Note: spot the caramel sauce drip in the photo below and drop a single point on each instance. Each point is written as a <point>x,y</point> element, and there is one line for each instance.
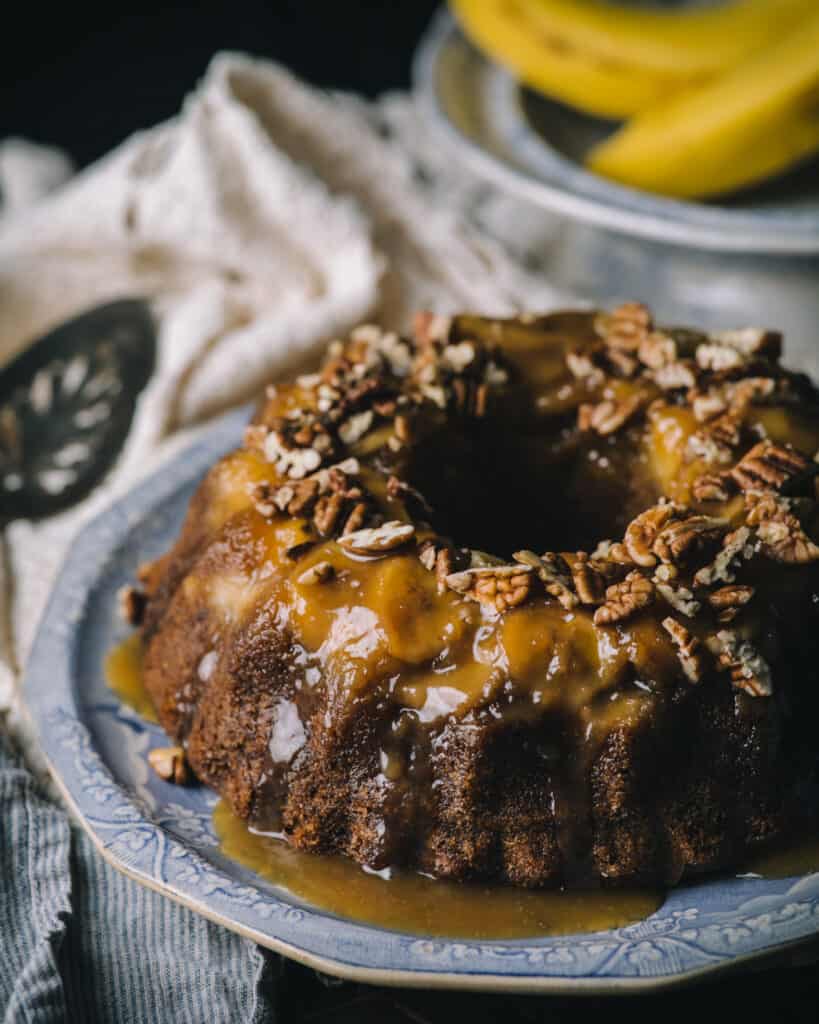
<point>413,903</point>
<point>123,673</point>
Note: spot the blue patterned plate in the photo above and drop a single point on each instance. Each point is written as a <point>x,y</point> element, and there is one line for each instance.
<point>162,835</point>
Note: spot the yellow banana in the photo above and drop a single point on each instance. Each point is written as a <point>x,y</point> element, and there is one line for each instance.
<point>611,60</point>
<point>754,121</point>
<point>690,42</point>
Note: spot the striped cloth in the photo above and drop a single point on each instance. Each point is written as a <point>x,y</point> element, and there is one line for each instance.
<point>81,942</point>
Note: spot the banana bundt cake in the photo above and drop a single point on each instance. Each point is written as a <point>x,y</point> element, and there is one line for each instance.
<point>533,600</point>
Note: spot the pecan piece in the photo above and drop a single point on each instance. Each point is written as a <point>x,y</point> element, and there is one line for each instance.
<point>712,487</point>
<point>379,539</point>
<point>356,519</point>
<point>305,493</point>
<point>780,530</point>
<point>321,572</point>
<point>673,376</point>
<point>499,586</point>
<point>685,540</point>
<point>714,441</point>
<point>589,583</point>
<point>749,670</point>
<point>689,649</point>
<point>553,573</point>
<point>642,532</point>
<point>328,512</point>
<point>609,415</point>
<point>735,544</point>
<point>582,367</point>
<point>625,327</point>
<point>751,341</point>
<point>625,599</point>
<point>680,598</point>
<point>657,350</point>
<point>771,466</point>
<point>728,600</point>
<point>170,764</point>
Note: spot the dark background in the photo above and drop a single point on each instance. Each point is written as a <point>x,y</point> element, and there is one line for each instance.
<point>84,77</point>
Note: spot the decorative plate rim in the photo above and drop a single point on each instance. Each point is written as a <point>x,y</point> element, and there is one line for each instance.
<point>674,946</point>
<point>586,197</point>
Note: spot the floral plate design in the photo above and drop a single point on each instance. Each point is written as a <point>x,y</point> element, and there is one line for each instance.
<point>162,835</point>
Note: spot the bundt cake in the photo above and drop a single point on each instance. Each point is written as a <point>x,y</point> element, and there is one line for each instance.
<point>358,644</point>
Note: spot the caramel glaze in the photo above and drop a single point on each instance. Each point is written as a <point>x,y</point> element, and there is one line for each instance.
<point>382,677</point>
<point>409,902</point>
<point>123,673</point>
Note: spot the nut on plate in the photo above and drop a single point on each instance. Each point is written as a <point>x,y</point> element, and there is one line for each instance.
<point>170,764</point>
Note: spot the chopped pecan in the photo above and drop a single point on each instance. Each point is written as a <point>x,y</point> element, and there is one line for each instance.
<point>714,441</point>
<point>553,572</point>
<point>294,462</point>
<point>642,532</point>
<point>680,598</point>
<point>683,541</point>
<point>457,357</point>
<point>730,599</point>
<point>328,512</point>
<point>589,583</point>
<point>689,649</point>
<point>500,586</point>
<point>749,670</point>
<point>709,404</point>
<point>712,487</point>
<point>443,566</point>
<point>751,341</point>
<point>625,364</point>
<point>379,539</point>
<point>356,519</point>
<point>673,376</point>
<point>780,530</point>
<point>305,493</point>
<point>582,366</point>
<point>625,599</point>
<point>354,428</point>
<point>625,327</point>
<point>738,543</point>
<point>771,466</point>
<point>657,350</point>
<point>321,572</point>
<point>170,764</point>
<point>609,415</point>
<point>718,357</point>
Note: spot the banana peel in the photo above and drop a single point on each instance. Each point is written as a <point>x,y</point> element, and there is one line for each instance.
<point>750,123</point>
<point>612,61</point>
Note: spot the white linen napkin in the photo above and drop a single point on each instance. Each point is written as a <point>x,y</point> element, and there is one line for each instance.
<point>264,219</point>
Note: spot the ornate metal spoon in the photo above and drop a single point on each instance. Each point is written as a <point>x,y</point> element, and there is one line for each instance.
<point>66,405</point>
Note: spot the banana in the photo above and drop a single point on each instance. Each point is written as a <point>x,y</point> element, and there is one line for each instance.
<point>613,61</point>
<point>754,121</point>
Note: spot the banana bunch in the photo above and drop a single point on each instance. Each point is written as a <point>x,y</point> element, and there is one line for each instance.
<point>717,97</point>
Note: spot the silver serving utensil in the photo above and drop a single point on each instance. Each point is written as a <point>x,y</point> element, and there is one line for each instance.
<point>66,405</point>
